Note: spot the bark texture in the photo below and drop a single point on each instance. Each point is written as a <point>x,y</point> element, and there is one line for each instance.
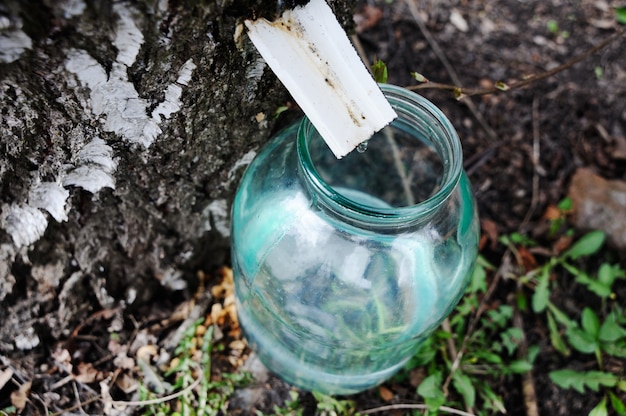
<point>124,129</point>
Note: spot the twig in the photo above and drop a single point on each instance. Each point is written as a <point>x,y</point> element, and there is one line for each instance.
<point>528,383</point>
<point>498,88</point>
<point>446,409</point>
<point>470,329</point>
<point>77,395</point>
<point>77,406</point>
<point>160,399</point>
<point>397,159</point>
<point>450,69</point>
<point>42,401</point>
<point>535,160</point>
<point>62,382</point>
<point>361,51</point>
<point>406,183</point>
<point>451,347</point>
<point>133,403</point>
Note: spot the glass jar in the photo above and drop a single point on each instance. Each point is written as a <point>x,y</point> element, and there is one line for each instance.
<point>342,267</point>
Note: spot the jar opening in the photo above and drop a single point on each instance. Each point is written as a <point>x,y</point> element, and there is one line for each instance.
<point>407,169</point>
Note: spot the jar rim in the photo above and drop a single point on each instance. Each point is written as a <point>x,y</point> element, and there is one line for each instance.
<point>412,106</point>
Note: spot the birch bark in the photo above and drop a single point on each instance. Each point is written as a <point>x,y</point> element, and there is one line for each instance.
<point>124,128</point>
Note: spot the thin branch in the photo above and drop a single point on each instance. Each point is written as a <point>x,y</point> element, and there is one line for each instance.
<point>449,68</point>
<point>451,346</point>
<point>535,159</point>
<point>77,406</point>
<point>446,409</point>
<point>482,307</point>
<point>160,399</point>
<point>468,92</point>
<point>406,182</point>
<point>361,51</point>
<point>77,396</point>
<point>528,382</point>
<point>397,159</point>
<point>134,403</point>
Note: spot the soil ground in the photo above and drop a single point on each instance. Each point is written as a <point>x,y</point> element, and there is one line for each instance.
<point>521,149</point>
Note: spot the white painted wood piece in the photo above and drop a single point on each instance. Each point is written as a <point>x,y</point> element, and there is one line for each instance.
<point>311,54</point>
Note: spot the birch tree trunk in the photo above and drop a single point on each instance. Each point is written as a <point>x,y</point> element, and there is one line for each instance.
<point>124,129</point>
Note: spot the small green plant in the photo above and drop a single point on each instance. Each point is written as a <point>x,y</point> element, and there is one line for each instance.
<point>620,15</point>
<point>553,28</point>
<point>199,394</point>
<point>292,407</point>
<point>489,353</point>
<point>331,406</point>
<point>11,410</point>
<point>601,333</point>
<point>491,345</point>
<point>379,70</point>
<point>598,72</point>
<point>326,406</point>
<point>559,218</point>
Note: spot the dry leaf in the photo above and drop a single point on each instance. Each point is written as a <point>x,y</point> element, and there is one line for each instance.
<point>562,244</point>
<point>126,383</point>
<point>200,330</point>
<point>237,345</point>
<point>124,361</point>
<point>63,359</point>
<point>146,352</point>
<point>5,376</point>
<point>86,373</point>
<point>385,393</point>
<point>19,398</point>
<point>61,356</point>
<point>490,229</point>
<point>552,213</point>
<point>182,311</point>
<point>229,299</point>
<point>528,260</point>
<point>458,21</point>
<point>217,313</point>
<point>603,23</point>
<point>367,17</point>
<point>619,152</point>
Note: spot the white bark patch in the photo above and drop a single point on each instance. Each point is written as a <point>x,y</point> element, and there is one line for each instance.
<point>27,340</point>
<point>95,167</point>
<point>13,43</point>
<point>163,6</point>
<point>128,37</point>
<point>218,212</point>
<point>185,73</point>
<point>126,112</point>
<point>243,162</point>
<point>115,98</point>
<point>173,93</point>
<point>7,280</point>
<point>48,277</point>
<point>72,8</point>
<point>112,99</point>
<point>171,104</point>
<point>51,197</point>
<point>88,71</point>
<point>23,223</point>
<point>255,71</point>
<point>90,179</point>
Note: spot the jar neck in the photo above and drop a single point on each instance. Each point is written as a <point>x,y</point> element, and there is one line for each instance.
<point>419,121</point>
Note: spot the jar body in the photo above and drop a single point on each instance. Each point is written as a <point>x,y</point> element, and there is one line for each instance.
<point>337,280</point>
